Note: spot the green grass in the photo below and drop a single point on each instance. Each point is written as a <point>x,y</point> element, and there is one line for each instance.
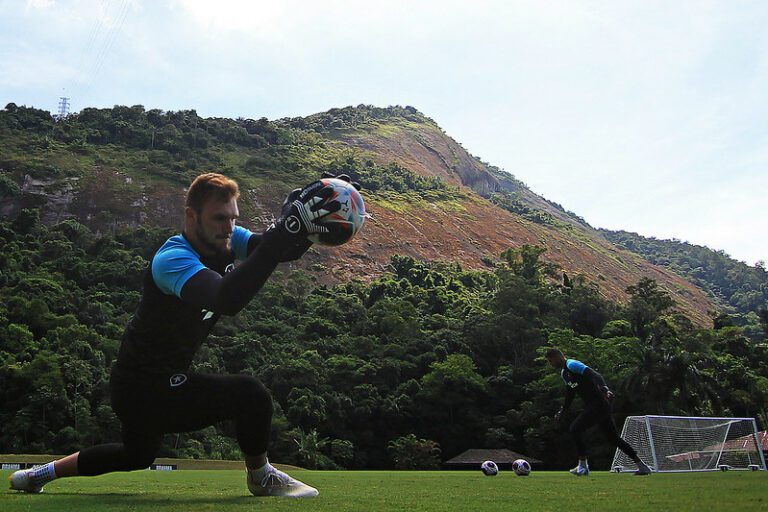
<point>372,491</point>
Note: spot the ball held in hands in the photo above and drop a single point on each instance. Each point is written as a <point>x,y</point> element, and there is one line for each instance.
<point>345,212</point>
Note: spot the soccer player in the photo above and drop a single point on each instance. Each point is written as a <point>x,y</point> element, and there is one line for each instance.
<point>591,387</point>
<point>190,282</point>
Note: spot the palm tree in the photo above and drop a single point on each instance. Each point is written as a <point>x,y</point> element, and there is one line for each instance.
<point>310,446</point>
<point>668,380</point>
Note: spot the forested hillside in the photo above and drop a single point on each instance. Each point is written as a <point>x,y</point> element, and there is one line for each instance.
<point>419,339</point>
<point>428,197</point>
<point>364,374</point>
<point>742,290</point>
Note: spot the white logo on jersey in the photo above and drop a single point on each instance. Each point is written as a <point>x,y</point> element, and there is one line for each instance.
<point>568,382</point>
<point>206,313</point>
<point>178,379</point>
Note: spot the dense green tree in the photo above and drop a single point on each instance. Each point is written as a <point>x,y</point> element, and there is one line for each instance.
<point>647,303</point>
<point>310,448</point>
<point>736,285</point>
<point>409,452</point>
<point>361,373</point>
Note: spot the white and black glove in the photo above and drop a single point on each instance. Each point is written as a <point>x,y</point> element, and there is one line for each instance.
<point>303,210</point>
<point>286,239</point>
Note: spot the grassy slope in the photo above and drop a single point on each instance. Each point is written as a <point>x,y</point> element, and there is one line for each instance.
<point>407,491</point>
<point>471,228</point>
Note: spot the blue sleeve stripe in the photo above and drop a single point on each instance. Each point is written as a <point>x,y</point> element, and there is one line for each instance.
<point>575,366</point>
<point>173,265</point>
<point>240,237</point>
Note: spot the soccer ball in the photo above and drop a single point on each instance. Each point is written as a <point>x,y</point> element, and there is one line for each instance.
<point>489,468</point>
<point>521,467</point>
<point>345,223</point>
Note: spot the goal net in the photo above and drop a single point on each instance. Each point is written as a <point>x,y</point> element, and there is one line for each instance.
<point>680,443</point>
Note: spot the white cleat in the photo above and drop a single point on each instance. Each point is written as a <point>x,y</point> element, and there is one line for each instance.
<point>21,481</point>
<point>580,471</point>
<point>277,483</point>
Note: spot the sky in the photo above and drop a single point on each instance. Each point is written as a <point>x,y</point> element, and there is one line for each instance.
<point>647,116</point>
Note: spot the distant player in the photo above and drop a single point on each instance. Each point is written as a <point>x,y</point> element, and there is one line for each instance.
<point>190,282</point>
<point>591,387</point>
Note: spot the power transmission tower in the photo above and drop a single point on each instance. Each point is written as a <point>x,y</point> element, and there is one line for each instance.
<point>63,108</point>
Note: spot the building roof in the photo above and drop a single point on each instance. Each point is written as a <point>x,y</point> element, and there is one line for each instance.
<point>499,456</point>
<point>747,442</point>
<point>741,444</point>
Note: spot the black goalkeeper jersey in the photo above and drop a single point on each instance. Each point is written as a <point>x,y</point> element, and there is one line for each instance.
<point>165,332</point>
<point>584,381</point>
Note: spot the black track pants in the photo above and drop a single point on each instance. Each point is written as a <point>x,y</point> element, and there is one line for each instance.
<point>149,407</point>
<point>600,414</point>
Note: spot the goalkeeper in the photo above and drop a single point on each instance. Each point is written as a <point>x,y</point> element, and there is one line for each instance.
<point>190,282</point>
<point>591,387</point>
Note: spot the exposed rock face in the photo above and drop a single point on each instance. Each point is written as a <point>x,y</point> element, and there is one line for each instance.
<point>97,200</point>
<point>55,197</point>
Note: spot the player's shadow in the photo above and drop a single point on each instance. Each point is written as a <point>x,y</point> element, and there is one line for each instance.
<point>157,500</point>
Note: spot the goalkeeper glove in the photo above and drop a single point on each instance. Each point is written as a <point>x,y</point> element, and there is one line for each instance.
<point>303,210</point>
<point>286,239</point>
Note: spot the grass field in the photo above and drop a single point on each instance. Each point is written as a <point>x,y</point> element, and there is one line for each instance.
<point>372,491</point>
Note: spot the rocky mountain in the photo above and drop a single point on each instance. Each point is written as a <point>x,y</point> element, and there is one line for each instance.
<point>427,196</point>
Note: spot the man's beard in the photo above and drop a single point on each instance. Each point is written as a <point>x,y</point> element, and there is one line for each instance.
<point>201,236</point>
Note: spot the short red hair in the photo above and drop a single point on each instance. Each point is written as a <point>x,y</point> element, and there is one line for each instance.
<point>209,185</point>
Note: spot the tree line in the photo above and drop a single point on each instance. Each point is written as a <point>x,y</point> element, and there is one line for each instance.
<point>404,371</point>
<point>740,288</point>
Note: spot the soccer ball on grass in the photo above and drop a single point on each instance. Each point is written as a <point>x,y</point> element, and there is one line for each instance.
<point>489,468</point>
<point>521,467</point>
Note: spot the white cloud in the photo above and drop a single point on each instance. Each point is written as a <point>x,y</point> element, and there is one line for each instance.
<point>251,19</point>
<point>40,4</point>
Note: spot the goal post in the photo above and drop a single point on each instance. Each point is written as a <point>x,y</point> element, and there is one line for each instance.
<point>682,443</point>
